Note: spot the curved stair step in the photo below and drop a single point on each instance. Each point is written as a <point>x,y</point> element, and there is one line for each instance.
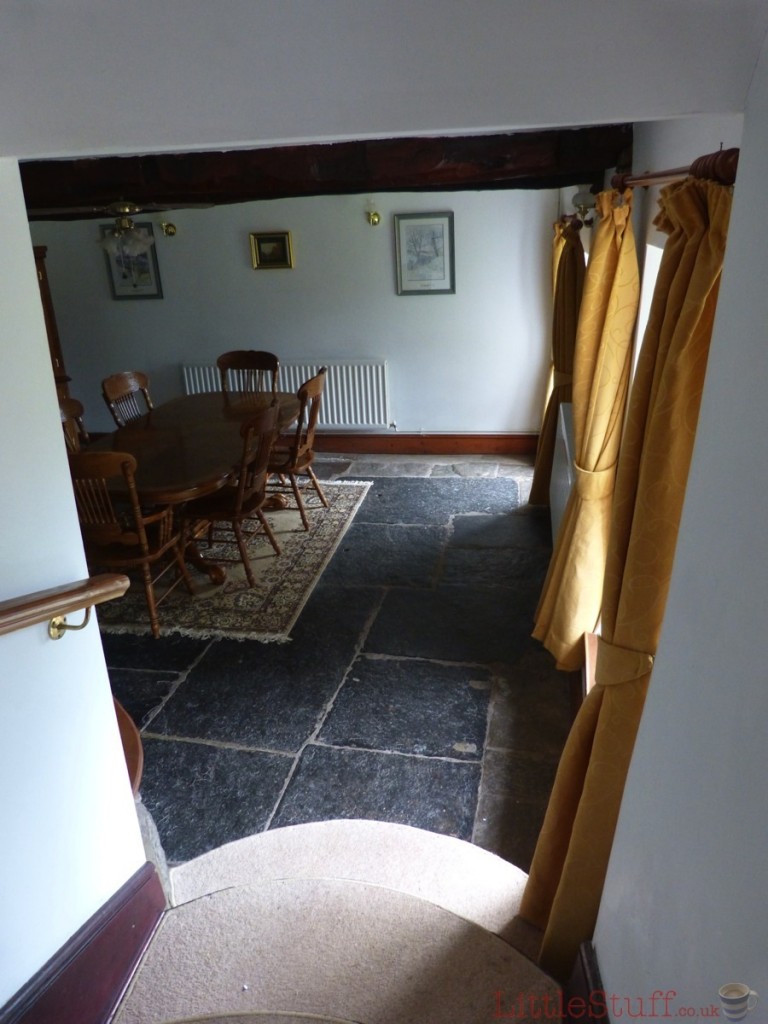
<point>263,1018</point>
<point>448,872</point>
<point>331,947</point>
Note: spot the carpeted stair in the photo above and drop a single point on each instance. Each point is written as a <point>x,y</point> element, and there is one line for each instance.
<point>357,921</point>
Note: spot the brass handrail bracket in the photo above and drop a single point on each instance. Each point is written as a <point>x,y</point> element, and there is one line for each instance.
<point>58,625</point>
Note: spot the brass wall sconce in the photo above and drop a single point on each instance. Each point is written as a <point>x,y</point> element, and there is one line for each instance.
<point>584,204</point>
<point>371,214</point>
<point>168,229</point>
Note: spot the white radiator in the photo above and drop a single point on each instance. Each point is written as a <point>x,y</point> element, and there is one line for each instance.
<point>356,394</point>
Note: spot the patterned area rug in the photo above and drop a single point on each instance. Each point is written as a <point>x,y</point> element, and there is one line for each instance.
<point>266,612</point>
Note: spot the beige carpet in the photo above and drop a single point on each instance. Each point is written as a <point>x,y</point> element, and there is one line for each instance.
<point>264,1018</point>
<point>267,611</point>
<point>340,921</point>
<point>455,875</point>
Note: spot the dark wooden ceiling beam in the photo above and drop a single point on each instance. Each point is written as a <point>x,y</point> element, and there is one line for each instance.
<point>59,189</point>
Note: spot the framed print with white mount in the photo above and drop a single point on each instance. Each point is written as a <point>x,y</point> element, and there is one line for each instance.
<point>424,253</point>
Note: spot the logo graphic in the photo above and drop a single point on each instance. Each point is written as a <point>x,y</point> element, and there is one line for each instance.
<point>736,1000</point>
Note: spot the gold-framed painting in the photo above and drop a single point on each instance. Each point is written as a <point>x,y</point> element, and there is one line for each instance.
<point>271,250</point>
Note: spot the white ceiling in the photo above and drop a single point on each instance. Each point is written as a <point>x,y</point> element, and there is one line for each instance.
<point>92,77</point>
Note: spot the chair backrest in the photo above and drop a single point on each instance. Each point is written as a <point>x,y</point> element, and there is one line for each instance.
<point>248,370</point>
<point>75,434</point>
<point>121,393</point>
<point>258,434</point>
<point>99,480</point>
<point>310,394</point>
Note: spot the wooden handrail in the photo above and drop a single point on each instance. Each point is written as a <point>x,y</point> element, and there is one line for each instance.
<point>43,605</point>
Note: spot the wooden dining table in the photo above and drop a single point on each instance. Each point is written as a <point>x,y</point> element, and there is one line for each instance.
<point>190,446</point>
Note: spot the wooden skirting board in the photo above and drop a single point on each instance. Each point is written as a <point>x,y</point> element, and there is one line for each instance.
<point>83,982</point>
<point>584,996</point>
<point>393,443</point>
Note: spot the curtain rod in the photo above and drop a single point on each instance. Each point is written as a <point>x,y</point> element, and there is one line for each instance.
<point>720,167</point>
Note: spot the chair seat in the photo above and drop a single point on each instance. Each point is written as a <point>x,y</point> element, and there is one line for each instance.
<point>222,505</point>
<point>212,506</point>
<point>282,461</point>
<point>127,554</point>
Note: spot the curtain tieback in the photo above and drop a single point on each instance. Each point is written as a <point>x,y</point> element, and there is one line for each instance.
<point>560,379</point>
<point>616,664</point>
<point>594,484</point>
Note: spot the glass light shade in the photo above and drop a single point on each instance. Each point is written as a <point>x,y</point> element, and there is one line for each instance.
<point>136,241</point>
<point>131,242</point>
<point>583,201</point>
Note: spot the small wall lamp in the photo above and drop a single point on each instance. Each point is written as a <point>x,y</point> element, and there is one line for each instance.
<point>584,204</point>
<point>371,214</point>
<point>168,229</point>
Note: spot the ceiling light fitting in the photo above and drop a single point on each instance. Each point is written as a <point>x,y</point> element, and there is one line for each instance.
<point>125,242</point>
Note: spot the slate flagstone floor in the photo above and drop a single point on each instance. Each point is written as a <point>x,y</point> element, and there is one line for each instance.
<point>411,690</point>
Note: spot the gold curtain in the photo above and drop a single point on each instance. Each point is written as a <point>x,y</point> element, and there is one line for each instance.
<point>568,273</point>
<point>565,884</point>
<point>558,244</point>
<point>569,605</point>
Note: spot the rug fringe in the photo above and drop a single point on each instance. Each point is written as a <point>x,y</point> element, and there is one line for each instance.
<point>167,632</point>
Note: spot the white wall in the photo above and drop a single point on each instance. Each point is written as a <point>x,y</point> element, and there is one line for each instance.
<point>685,905</point>
<point>70,835</point>
<point>181,75</point>
<point>475,361</point>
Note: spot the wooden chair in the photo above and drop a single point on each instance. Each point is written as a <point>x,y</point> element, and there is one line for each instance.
<point>75,434</point>
<point>117,534</point>
<point>121,393</point>
<point>243,500</point>
<point>248,370</point>
<point>292,456</point>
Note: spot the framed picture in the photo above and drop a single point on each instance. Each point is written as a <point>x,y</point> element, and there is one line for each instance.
<point>271,250</point>
<point>132,276</point>
<point>424,253</point>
